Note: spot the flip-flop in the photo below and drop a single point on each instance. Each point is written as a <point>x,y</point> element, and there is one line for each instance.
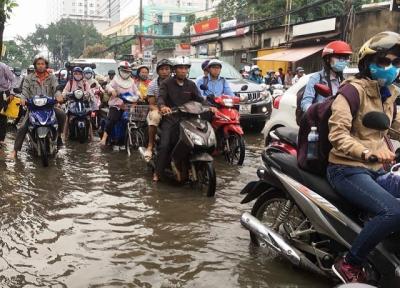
<point>148,155</point>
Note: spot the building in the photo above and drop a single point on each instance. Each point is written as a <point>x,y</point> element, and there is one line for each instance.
<point>196,5</point>
<point>98,12</point>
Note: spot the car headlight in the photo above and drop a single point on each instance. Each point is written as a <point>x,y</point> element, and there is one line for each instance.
<point>212,140</point>
<point>196,139</point>
<point>78,94</point>
<point>39,101</point>
<point>243,97</point>
<point>228,102</point>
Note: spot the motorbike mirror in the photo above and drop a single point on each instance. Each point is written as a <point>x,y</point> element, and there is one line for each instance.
<point>376,120</point>
<point>203,87</point>
<point>244,88</point>
<point>93,85</point>
<point>323,90</point>
<point>17,90</point>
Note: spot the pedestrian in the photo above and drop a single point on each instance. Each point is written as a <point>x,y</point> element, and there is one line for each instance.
<point>288,78</point>
<point>281,75</point>
<point>299,74</point>
<point>7,81</point>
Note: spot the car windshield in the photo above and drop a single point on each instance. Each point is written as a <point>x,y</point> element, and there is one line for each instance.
<point>228,72</point>
<point>103,68</point>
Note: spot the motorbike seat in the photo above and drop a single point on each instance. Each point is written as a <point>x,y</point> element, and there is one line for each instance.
<point>288,135</point>
<point>318,184</point>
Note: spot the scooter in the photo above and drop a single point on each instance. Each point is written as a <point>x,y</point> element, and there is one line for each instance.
<point>300,216</point>
<point>78,112</point>
<point>226,124</point>
<point>42,129</point>
<point>193,150</point>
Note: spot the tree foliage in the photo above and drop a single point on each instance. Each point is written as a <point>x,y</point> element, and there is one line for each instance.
<point>6,8</point>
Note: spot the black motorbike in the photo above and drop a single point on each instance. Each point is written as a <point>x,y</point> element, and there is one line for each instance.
<point>78,113</point>
<point>300,216</point>
<point>192,152</point>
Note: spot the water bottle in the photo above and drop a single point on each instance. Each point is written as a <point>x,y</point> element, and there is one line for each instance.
<point>312,149</point>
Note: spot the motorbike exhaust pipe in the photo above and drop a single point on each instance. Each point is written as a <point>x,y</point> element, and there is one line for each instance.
<point>271,238</point>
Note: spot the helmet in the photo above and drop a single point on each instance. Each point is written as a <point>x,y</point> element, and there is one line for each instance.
<point>254,67</point>
<point>204,65</point>
<point>336,47</point>
<point>142,67</point>
<point>31,68</point>
<point>214,62</point>
<point>381,42</point>
<point>77,69</point>
<point>111,72</point>
<point>299,69</point>
<point>88,70</point>
<point>17,71</point>
<point>164,62</point>
<point>38,57</point>
<point>124,65</point>
<point>182,61</point>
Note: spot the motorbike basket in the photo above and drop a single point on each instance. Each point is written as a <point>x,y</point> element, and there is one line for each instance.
<point>138,112</point>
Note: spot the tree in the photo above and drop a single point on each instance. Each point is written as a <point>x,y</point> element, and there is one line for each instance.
<point>6,7</point>
<point>94,51</point>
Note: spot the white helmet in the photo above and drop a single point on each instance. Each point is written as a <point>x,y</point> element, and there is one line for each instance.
<point>255,67</point>
<point>214,62</point>
<point>247,68</point>
<point>124,65</point>
<point>182,61</point>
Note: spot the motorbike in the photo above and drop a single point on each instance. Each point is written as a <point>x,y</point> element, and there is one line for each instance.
<point>94,115</point>
<point>192,152</point>
<point>226,124</point>
<point>299,215</point>
<point>42,128</point>
<point>78,112</point>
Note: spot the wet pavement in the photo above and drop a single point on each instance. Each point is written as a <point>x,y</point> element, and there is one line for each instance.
<point>95,219</point>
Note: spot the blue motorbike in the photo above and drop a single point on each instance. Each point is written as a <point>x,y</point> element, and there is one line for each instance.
<point>42,128</point>
<point>78,112</point>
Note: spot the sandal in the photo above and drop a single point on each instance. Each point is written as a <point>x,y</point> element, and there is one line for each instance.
<point>148,155</point>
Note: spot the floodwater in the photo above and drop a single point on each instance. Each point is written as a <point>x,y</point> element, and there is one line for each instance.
<point>95,219</point>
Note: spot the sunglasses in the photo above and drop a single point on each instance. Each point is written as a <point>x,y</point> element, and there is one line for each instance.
<point>385,62</point>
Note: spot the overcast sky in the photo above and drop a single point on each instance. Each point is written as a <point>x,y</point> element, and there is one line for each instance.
<point>31,12</point>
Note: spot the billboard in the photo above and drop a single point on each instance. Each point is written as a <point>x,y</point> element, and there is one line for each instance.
<point>203,27</point>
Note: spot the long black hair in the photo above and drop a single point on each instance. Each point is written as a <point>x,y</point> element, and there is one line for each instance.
<point>327,70</point>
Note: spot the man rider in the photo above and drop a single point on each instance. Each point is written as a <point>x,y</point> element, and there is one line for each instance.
<point>214,83</point>
<point>255,75</point>
<point>335,57</point>
<point>7,81</point>
<point>121,84</point>
<point>163,69</point>
<point>174,92</point>
<point>40,82</point>
<point>78,82</point>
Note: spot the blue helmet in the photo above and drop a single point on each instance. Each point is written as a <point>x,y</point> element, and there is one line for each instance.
<point>77,69</point>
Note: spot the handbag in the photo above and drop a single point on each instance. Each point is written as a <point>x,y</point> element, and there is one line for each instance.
<point>391,181</point>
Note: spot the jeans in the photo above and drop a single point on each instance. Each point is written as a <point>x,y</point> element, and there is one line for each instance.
<point>168,139</point>
<point>358,186</point>
<point>114,114</point>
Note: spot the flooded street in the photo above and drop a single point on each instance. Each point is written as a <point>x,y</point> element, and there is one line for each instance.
<point>95,219</point>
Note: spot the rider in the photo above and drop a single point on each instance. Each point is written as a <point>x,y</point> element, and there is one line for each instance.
<point>94,85</point>
<point>255,75</point>
<point>174,91</point>
<point>142,81</point>
<point>163,69</point>
<point>77,82</point>
<point>350,172</point>
<point>30,70</point>
<point>7,81</point>
<point>19,78</point>
<point>40,82</point>
<point>205,72</point>
<point>121,84</point>
<point>335,58</point>
<point>216,84</point>
<point>110,76</point>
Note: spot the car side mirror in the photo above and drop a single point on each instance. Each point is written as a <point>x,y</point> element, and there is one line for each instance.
<point>244,88</point>
<point>323,90</point>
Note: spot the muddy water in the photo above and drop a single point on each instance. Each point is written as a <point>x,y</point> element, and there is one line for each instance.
<point>95,219</point>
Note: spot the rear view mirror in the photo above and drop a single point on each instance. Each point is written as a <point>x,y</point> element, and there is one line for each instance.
<point>323,90</point>
<point>376,120</point>
<point>244,88</point>
<point>203,87</point>
<point>93,85</point>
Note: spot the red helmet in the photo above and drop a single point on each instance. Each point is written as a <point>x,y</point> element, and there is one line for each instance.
<point>337,47</point>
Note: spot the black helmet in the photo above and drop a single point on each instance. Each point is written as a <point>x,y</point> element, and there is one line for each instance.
<point>111,72</point>
<point>164,62</point>
<point>17,71</point>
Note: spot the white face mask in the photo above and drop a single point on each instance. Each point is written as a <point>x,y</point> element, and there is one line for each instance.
<point>124,75</point>
<point>88,75</point>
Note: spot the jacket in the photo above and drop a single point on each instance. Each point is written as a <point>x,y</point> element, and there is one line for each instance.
<point>348,136</point>
<point>32,86</point>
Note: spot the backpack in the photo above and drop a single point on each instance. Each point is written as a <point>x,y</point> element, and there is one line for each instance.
<point>300,94</point>
<point>318,115</point>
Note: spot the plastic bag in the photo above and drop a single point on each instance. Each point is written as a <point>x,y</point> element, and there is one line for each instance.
<point>391,181</point>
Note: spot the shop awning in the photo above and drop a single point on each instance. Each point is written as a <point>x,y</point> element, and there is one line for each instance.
<point>290,54</point>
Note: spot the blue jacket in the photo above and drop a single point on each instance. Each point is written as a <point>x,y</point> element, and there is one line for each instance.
<point>256,78</point>
<point>217,87</point>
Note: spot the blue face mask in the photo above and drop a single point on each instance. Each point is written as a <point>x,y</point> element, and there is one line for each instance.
<point>340,65</point>
<point>384,75</point>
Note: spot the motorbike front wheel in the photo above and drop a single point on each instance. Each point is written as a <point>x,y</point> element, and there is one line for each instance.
<point>82,134</point>
<point>235,149</point>
<point>206,178</point>
<point>44,152</point>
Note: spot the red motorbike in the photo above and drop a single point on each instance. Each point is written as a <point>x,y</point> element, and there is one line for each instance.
<point>226,124</point>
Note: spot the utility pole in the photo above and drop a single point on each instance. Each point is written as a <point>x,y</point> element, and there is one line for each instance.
<point>141,27</point>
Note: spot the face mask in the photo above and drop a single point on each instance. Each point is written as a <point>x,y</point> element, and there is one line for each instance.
<point>88,75</point>
<point>78,77</point>
<point>384,75</point>
<point>124,75</point>
<point>340,65</point>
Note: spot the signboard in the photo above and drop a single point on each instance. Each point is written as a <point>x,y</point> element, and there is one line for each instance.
<point>182,49</point>
<point>314,27</point>
<point>395,5</point>
<point>147,57</point>
<point>203,27</point>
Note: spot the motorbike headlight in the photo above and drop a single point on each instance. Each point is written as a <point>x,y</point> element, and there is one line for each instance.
<point>39,102</point>
<point>212,140</point>
<point>228,102</point>
<point>78,94</point>
<point>196,139</point>
<point>243,97</point>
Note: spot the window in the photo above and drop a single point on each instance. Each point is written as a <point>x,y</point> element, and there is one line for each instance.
<point>267,42</point>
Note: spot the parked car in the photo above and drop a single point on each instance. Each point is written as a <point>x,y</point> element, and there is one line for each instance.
<point>255,106</point>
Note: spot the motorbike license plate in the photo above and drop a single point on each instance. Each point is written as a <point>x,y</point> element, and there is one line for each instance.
<point>245,108</point>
